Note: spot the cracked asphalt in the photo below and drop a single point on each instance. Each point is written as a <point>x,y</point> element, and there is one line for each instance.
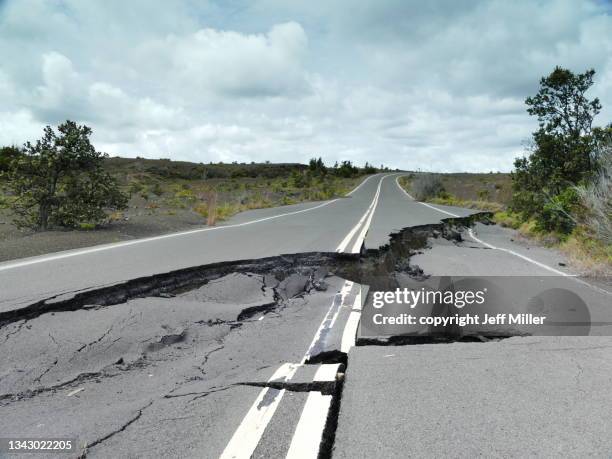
<point>244,341</point>
<point>154,375</point>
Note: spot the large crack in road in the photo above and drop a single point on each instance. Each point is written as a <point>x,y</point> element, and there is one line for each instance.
<point>151,340</point>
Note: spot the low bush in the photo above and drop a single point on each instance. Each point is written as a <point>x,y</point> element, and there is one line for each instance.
<point>559,212</point>
<point>507,219</point>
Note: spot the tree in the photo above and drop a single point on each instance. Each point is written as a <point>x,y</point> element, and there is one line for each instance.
<point>60,181</point>
<point>369,169</point>
<point>563,152</point>
<point>7,155</point>
<point>346,170</point>
<point>316,167</point>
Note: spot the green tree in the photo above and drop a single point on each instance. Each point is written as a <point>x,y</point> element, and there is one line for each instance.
<point>563,152</point>
<point>346,170</point>
<point>369,169</point>
<point>60,181</point>
<point>7,155</point>
<point>316,167</point>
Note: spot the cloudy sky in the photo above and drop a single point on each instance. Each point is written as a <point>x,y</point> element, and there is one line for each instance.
<point>434,85</point>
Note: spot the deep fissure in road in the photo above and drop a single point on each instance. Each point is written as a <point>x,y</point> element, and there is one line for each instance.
<point>373,268</point>
<point>272,284</point>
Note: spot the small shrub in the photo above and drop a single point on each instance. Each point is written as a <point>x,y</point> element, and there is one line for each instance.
<point>157,189</point>
<point>226,210</point>
<point>529,228</point>
<point>287,201</point>
<point>201,209</point>
<point>135,187</point>
<point>507,219</point>
<point>559,213</point>
<point>187,195</point>
<point>116,216</point>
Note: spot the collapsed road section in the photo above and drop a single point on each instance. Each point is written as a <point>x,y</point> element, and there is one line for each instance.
<point>235,359</point>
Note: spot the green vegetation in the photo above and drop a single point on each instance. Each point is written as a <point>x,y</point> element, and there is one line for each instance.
<point>564,153</point>
<point>167,188</point>
<point>562,190</point>
<point>7,155</point>
<point>426,186</point>
<point>561,193</point>
<point>60,181</point>
<point>487,192</point>
<point>156,188</point>
<point>596,196</point>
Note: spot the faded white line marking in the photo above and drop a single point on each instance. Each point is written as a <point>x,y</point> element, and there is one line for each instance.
<point>306,439</point>
<point>329,319</point>
<point>74,392</point>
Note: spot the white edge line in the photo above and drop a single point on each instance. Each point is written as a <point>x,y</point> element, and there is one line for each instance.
<point>511,252</point>
<point>76,252</point>
<point>360,185</point>
<point>516,254</point>
<point>471,233</point>
<point>154,238</point>
<point>304,444</point>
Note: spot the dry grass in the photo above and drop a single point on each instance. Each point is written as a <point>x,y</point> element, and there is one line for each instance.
<point>426,186</point>
<point>479,205</point>
<point>588,254</point>
<point>597,200</point>
<point>588,248</point>
<point>495,188</point>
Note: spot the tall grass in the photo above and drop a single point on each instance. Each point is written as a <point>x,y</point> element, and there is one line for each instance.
<point>597,199</point>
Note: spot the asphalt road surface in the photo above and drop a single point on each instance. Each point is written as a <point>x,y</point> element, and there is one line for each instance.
<point>271,363</point>
<point>367,216</point>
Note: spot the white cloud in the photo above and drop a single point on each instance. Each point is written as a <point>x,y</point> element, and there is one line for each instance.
<point>438,85</point>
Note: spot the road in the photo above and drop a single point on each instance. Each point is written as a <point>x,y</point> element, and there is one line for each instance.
<point>268,363</point>
<point>337,225</point>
